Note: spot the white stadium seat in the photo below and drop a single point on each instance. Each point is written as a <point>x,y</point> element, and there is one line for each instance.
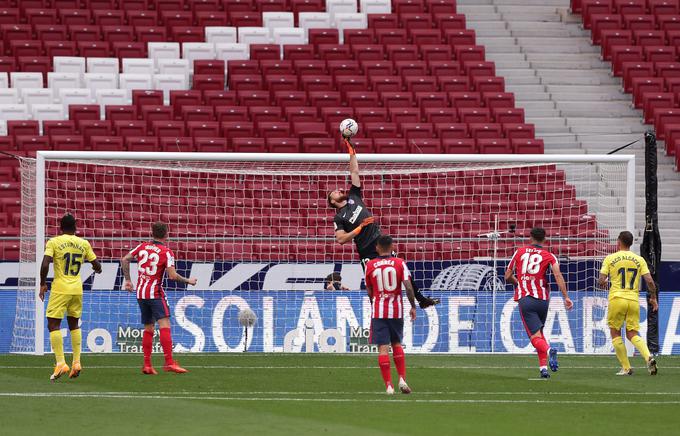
<point>170,82</point>
<point>26,80</point>
<point>314,20</point>
<point>4,80</point>
<point>163,50</point>
<point>3,127</point>
<point>103,65</point>
<point>192,51</point>
<point>138,66</point>
<point>136,81</point>
<point>31,96</point>
<point>335,7</point>
<point>289,35</point>
<point>64,80</point>
<point>375,6</point>
<point>9,96</point>
<point>253,35</point>
<point>351,21</point>
<point>75,96</point>
<point>278,19</point>
<point>14,112</point>
<point>101,81</point>
<point>174,66</point>
<point>220,34</point>
<point>43,112</point>
<point>108,97</point>
<point>69,64</point>
<point>230,52</point>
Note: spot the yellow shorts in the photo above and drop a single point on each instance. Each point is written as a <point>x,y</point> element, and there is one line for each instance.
<point>64,304</point>
<point>620,310</point>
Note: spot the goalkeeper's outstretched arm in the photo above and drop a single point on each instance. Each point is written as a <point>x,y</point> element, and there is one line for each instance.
<point>353,163</point>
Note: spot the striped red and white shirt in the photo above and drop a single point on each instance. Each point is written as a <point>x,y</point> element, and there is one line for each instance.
<point>385,276</point>
<point>152,260</point>
<point>531,264</point>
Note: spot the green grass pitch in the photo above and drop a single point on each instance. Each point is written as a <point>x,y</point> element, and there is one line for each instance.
<point>338,394</point>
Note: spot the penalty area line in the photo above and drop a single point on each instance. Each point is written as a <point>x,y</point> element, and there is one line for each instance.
<point>326,367</point>
<point>330,400</point>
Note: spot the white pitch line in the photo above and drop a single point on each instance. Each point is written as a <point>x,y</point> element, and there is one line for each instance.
<point>328,400</point>
<point>328,367</point>
<point>203,393</point>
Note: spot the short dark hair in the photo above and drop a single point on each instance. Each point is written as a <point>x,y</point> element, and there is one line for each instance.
<point>626,238</point>
<point>538,234</point>
<point>159,230</point>
<point>68,223</point>
<point>333,277</point>
<point>384,242</point>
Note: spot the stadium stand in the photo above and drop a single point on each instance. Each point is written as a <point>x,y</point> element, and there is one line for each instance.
<point>250,76</point>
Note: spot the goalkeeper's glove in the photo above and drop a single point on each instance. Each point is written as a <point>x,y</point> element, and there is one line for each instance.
<point>427,302</point>
<point>350,147</point>
<point>366,222</point>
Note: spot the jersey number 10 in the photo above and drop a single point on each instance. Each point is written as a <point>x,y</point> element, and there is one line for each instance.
<point>386,278</point>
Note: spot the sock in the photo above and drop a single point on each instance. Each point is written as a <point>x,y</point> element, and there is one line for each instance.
<point>147,345</point>
<point>399,361</point>
<point>542,348</point>
<point>641,347</point>
<point>76,341</point>
<point>57,346</point>
<point>384,362</point>
<point>621,353</point>
<point>166,343</point>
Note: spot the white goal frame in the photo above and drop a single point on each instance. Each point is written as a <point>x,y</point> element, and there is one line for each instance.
<point>43,156</point>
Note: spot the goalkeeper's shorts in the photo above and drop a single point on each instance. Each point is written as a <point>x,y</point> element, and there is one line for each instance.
<point>385,331</point>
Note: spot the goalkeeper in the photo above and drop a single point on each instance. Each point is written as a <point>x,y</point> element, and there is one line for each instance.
<point>353,221</point>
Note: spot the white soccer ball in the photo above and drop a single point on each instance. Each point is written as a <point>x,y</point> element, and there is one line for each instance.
<point>247,318</point>
<point>349,128</point>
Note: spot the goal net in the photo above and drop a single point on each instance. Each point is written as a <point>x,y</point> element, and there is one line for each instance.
<point>257,232</point>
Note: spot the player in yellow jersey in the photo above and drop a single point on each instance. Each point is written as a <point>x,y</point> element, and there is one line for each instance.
<point>68,252</point>
<point>623,269</point>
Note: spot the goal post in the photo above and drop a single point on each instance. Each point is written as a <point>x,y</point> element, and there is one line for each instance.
<point>257,231</point>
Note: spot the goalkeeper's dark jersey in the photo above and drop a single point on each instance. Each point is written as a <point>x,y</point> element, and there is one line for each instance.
<point>349,217</point>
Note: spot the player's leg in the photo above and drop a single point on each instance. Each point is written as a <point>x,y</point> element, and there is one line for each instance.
<point>616,312</point>
<point>56,309</point>
<point>162,314</point>
<point>73,313</point>
<point>147,336</point>
<point>396,335</point>
<point>380,336</point>
<point>530,312</point>
<point>632,329</point>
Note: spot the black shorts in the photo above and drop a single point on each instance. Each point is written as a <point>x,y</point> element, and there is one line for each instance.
<point>533,312</point>
<point>368,255</point>
<point>154,309</point>
<point>385,331</point>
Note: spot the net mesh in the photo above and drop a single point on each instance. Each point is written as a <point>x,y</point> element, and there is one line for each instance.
<point>260,235</point>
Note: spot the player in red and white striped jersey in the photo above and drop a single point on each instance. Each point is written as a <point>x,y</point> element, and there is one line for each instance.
<point>154,258</point>
<point>384,278</point>
<point>527,271</point>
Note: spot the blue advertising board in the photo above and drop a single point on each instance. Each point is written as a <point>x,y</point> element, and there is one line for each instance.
<point>295,314</point>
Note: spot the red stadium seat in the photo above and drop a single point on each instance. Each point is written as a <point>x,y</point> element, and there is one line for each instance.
<point>642,85</point>
<point>611,38</point>
<point>653,100</point>
<point>232,113</point>
<point>23,128</point>
<point>326,36</point>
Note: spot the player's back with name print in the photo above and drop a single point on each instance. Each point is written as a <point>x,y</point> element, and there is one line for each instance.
<point>531,264</point>
<point>386,275</point>
<point>152,260</point>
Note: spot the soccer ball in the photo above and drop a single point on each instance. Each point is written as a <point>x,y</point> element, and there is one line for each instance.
<point>348,128</point>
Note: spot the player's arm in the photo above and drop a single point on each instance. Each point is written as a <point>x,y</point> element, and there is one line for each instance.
<point>353,165</point>
<point>44,269</point>
<point>602,281</point>
<point>411,295</point>
<point>510,272</point>
<point>96,266</point>
<point>555,267</point>
<point>651,289</point>
<point>176,277</point>
<point>125,266</point>
<point>342,237</point>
